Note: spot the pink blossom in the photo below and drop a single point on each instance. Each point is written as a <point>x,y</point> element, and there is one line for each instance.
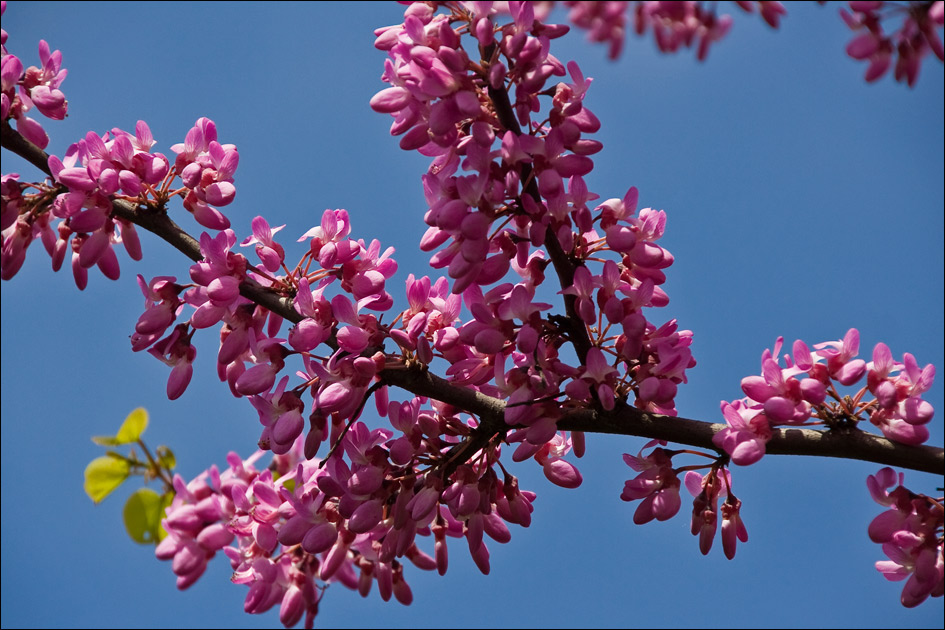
<point>583,289</point>
<point>733,529</point>
<point>176,351</point>
<point>206,168</point>
<point>657,484</point>
<point>559,471</point>
<point>707,490</point>
<point>910,534</point>
<point>270,253</point>
<point>604,21</point>
<point>162,305</point>
<point>907,46</point>
<point>840,358</point>
<point>747,432</point>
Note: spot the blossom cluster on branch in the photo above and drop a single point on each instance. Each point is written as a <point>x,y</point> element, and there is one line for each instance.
<point>910,31</point>
<point>779,396</point>
<point>476,89</point>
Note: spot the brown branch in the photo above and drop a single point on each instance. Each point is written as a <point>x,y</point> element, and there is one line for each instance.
<point>846,444</point>
<point>623,420</point>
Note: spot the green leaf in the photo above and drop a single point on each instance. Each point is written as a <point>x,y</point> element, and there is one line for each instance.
<point>142,515</point>
<point>166,457</point>
<point>133,426</point>
<point>103,475</point>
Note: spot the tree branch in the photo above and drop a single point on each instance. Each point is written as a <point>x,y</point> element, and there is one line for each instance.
<point>623,420</point>
<point>846,444</point>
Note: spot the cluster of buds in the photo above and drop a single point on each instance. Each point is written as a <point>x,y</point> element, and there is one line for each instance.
<point>805,392</point>
<point>251,355</point>
<point>674,25</point>
<point>206,169</point>
<point>486,172</point>
<point>36,87</point>
<point>94,173</point>
<point>657,487</point>
<point>911,533</point>
<point>913,39</point>
<point>293,528</point>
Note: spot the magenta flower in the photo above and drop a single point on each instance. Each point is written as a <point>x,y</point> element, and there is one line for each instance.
<point>270,253</point>
<point>604,21</point>
<point>598,373</point>
<point>705,512</point>
<point>176,351</point>
<point>280,413</point>
<point>329,241</point>
<point>747,432</point>
<point>733,529</point>
<point>269,356</point>
<point>316,328</point>
<point>162,305</point>
<point>557,470</point>
<point>913,39</point>
<point>43,83</point>
<point>206,167</point>
<point>840,358</point>
<point>901,413</point>
<point>911,536</point>
<point>221,271</point>
<point>657,484</point>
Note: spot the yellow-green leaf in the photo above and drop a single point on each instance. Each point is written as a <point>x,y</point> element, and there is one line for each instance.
<point>103,475</point>
<point>133,426</point>
<point>106,440</point>
<point>142,515</point>
<point>166,457</point>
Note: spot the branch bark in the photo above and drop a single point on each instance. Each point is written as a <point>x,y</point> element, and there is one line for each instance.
<point>623,420</point>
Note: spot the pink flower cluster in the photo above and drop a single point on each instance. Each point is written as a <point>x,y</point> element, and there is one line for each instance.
<point>678,25</point>
<point>707,490</point>
<point>682,24</point>
<point>251,355</point>
<point>658,486</point>
<point>911,533</point>
<point>605,22</point>
<point>674,24</point>
<point>805,392</point>
<point>38,87</point>
<point>94,172</point>
<point>206,169</point>
<point>907,45</point>
<point>301,524</point>
<point>509,138</point>
<point>487,171</point>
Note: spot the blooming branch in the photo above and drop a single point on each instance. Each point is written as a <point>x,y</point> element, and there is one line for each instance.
<point>510,136</point>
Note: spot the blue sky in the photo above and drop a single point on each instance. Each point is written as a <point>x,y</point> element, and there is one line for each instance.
<point>801,202</point>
